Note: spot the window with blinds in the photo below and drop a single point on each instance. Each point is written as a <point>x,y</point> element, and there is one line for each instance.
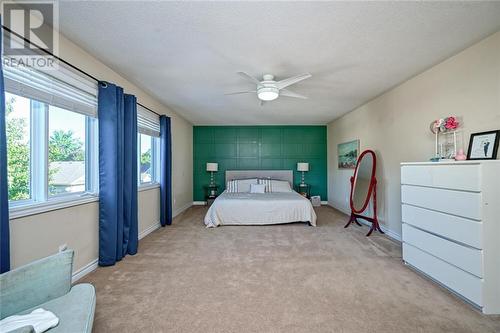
<point>148,126</point>
<point>147,122</point>
<point>52,150</point>
<point>63,88</point>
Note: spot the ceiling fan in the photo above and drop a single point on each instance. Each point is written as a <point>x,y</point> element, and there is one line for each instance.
<point>268,89</point>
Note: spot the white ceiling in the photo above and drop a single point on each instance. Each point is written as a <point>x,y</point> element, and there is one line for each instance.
<point>187,53</point>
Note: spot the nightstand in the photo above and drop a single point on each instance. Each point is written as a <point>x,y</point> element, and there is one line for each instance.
<point>304,190</point>
<point>211,193</point>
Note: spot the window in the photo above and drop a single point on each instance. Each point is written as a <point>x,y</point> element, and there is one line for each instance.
<point>51,138</point>
<point>146,172</point>
<point>148,142</point>
<point>17,113</point>
<point>66,151</point>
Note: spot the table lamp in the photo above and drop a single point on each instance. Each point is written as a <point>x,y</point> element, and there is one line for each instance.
<point>302,167</point>
<point>212,167</point>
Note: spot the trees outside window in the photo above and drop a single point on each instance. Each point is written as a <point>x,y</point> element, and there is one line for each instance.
<point>145,157</point>
<point>66,151</point>
<point>33,128</point>
<point>148,158</point>
<point>17,113</point>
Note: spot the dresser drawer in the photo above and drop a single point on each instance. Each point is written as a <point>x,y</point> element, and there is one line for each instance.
<point>466,258</point>
<point>465,204</point>
<point>455,177</point>
<point>457,228</point>
<point>463,283</point>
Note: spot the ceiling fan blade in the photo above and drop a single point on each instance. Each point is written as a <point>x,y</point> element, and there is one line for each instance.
<point>248,77</point>
<point>292,80</point>
<point>241,92</point>
<point>288,93</point>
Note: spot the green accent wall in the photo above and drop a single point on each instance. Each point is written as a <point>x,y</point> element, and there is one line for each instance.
<point>260,148</point>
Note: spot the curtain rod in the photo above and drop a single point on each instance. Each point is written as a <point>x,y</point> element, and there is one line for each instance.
<point>65,62</point>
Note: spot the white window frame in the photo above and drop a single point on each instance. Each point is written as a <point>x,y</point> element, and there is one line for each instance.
<point>40,201</point>
<point>155,163</point>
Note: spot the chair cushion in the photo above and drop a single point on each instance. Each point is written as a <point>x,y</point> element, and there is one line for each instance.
<point>75,310</point>
<point>35,283</point>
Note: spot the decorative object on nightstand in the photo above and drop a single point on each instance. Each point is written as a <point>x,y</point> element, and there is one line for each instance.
<point>304,189</point>
<point>302,167</point>
<point>211,193</point>
<point>212,167</point>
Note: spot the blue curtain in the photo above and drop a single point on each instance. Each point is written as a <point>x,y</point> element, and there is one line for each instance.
<point>4,195</point>
<point>118,227</point>
<point>165,171</point>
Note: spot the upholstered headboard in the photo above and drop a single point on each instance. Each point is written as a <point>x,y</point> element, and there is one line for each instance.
<point>272,174</point>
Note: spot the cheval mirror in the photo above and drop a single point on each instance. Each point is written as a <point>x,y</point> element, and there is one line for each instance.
<point>364,191</point>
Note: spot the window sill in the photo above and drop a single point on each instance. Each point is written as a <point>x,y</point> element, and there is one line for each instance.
<point>61,203</point>
<point>146,187</point>
<point>56,204</point>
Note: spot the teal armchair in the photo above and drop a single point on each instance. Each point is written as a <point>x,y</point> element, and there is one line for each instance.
<point>46,283</point>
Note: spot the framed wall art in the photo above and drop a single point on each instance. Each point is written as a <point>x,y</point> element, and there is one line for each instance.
<point>483,146</point>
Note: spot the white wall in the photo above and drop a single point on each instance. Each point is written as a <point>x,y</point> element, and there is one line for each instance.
<point>396,124</point>
<point>37,236</point>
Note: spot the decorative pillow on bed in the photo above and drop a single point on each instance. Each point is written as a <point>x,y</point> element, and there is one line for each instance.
<point>257,188</point>
<point>281,186</point>
<point>276,185</point>
<point>267,183</point>
<point>240,185</point>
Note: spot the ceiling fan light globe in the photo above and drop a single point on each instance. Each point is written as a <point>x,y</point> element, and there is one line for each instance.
<point>267,94</point>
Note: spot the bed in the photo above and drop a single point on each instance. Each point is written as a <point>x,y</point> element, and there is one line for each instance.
<point>244,208</point>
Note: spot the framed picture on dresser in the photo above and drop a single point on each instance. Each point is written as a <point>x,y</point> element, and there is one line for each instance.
<point>483,146</point>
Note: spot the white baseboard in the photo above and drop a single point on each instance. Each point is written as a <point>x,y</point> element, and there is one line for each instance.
<point>181,209</point>
<point>90,267</point>
<point>387,231</point>
<point>149,230</point>
<point>341,208</point>
<point>347,211</point>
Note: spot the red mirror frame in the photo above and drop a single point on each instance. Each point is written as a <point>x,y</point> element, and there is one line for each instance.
<point>373,181</point>
<point>372,192</point>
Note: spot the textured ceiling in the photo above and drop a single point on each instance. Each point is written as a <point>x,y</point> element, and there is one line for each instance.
<point>187,53</point>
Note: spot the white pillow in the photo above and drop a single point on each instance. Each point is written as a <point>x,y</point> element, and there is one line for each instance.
<point>275,185</point>
<point>280,186</point>
<point>240,185</point>
<point>257,188</point>
<point>267,183</point>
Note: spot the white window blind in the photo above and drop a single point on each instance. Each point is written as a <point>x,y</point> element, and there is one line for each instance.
<point>63,87</point>
<point>147,122</point>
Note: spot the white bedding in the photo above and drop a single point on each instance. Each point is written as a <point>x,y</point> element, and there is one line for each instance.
<point>259,209</point>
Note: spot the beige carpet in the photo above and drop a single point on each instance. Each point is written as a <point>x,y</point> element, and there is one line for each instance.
<point>285,278</point>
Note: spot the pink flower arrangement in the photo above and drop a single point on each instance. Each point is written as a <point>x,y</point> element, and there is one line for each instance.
<point>451,123</point>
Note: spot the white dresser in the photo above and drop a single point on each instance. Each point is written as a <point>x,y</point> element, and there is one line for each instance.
<point>451,226</point>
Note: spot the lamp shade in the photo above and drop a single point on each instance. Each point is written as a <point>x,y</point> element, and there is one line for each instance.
<point>212,166</point>
<point>302,166</point>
